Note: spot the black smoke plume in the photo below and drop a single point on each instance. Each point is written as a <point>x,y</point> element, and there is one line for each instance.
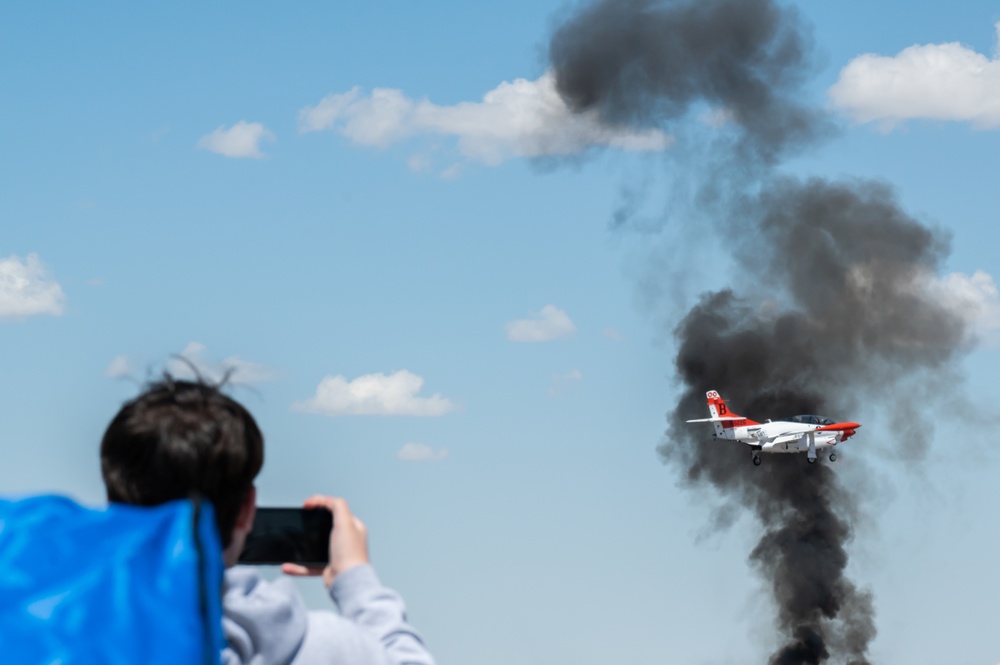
<point>644,63</point>
<point>849,315</point>
<point>837,303</point>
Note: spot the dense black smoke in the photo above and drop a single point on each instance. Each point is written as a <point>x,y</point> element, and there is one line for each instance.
<point>837,299</point>
<point>644,63</point>
<point>848,315</point>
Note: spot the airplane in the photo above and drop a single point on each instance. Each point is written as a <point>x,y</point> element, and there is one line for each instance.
<point>795,435</point>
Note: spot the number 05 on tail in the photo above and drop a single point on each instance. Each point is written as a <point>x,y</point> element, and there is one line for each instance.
<point>798,434</point>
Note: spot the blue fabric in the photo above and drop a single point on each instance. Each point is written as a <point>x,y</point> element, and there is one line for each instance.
<point>119,585</point>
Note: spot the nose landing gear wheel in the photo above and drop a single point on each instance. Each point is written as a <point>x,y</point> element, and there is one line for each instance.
<point>833,457</point>
<point>811,460</point>
<point>756,460</point>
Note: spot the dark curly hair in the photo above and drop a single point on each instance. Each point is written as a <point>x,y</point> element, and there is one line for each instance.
<point>178,438</point>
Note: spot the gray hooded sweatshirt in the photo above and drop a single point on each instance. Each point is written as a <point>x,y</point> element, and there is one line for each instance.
<point>267,623</point>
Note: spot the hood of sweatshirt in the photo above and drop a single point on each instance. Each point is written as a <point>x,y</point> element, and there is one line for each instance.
<point>264,622</point>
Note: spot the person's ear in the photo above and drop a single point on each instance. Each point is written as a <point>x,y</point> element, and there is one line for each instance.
<point>248,510</point>
<point>242,527</point>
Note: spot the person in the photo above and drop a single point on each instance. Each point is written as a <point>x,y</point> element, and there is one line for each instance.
<point>178,437</point>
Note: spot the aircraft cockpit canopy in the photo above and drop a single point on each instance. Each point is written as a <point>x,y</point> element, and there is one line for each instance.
<point>811,420</point>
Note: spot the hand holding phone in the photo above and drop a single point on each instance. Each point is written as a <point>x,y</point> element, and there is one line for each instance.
<point>346,543</point>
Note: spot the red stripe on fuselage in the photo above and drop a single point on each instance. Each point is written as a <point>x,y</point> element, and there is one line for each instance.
<point>722,410</point>
<point>729,424</point>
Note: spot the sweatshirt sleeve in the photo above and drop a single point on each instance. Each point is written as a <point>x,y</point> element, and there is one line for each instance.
<point>380,612</point>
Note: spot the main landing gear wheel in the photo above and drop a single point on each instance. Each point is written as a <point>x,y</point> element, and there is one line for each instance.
<point>833,457</point>
<point>756,460</point>
<point>811,460</point>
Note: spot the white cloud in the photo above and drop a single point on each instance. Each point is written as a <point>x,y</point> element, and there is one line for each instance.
<point>193,362</point>
<point>452,172</point>
<point>374,395</point>
<point>118,367</point>
<point>241,140</point>
<point>420,452</point>
<point>26,289</point>
<point>613,334</point>
<point>975,298</point>
<point>419,163</point>
<point>520,118</point>
<point>931,81</point>
<point>547,324</point>
<point>716,117</point>
<point>562,382</point>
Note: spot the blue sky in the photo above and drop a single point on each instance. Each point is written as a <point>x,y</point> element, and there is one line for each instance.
<point>495,360</point>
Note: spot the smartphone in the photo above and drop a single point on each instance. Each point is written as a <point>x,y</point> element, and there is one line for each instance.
<point>289,535</point>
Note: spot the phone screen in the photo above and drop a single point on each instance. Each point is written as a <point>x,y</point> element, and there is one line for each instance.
<point>289,535</point>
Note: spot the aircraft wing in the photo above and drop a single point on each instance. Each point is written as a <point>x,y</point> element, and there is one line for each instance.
<point>787,437</point>
<point>721,419</point>
<point>827,430</point>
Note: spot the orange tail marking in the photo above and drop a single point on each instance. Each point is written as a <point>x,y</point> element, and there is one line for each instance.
<point>717,407</point>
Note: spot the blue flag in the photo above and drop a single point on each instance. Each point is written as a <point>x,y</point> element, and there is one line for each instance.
<point>120,585</point>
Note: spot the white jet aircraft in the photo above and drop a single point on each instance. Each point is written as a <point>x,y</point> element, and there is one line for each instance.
<point>795,435</point>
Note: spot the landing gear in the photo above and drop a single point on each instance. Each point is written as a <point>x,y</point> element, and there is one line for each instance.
<point>811,460</point>
<point>833,457</point>
<point>756,460</point>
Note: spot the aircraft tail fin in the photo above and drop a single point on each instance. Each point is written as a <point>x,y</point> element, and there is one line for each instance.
<point>722,417</point>
<point>717,407</point>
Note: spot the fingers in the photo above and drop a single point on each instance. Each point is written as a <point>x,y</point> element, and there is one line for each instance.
<point>360,526</point>
<point>341,511</point>
<point>348,540</point>
<point>320,501</point>
<point>298,570</point>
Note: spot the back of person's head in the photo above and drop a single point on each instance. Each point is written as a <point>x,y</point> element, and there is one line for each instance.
<point>178,438</point>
